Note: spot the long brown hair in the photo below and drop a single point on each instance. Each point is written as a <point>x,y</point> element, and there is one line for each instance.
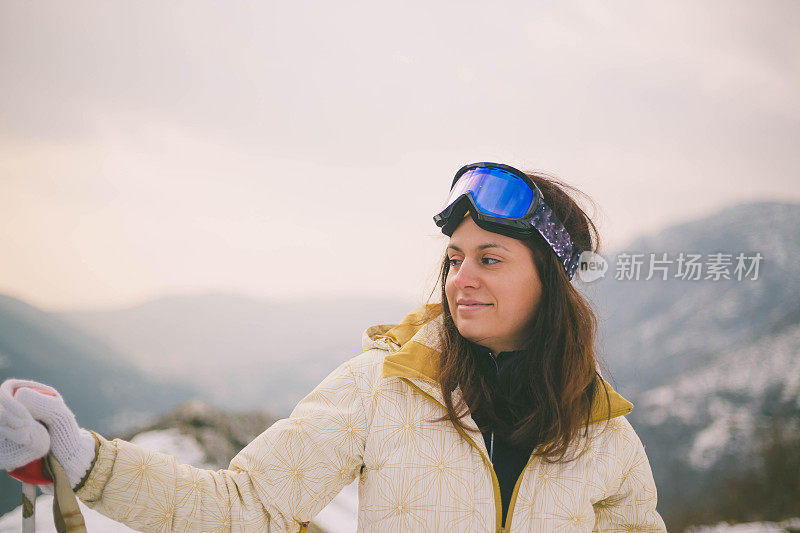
<point>552,391</point>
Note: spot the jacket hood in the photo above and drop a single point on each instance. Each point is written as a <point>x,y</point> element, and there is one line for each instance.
<point>415,344</point>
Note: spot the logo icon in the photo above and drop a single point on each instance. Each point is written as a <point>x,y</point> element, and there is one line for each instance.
<point>591,266</point>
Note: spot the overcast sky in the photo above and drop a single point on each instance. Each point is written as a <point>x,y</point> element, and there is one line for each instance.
<point>281,149</point>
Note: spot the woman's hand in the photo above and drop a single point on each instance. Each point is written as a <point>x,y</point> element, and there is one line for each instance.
<point>72,446</point>
<point>22,439</point>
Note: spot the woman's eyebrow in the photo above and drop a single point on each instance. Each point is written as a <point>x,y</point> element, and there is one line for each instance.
<point>480,247</point>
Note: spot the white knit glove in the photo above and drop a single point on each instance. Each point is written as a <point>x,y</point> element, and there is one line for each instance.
<point>22,439</point>
<point>73,446</point>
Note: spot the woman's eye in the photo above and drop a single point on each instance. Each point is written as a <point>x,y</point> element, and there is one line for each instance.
<point>486,260</point>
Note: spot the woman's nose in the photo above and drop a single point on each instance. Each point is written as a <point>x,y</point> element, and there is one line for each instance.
<point>467,275</point>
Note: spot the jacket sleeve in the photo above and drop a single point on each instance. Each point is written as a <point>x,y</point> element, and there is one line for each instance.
<point>632,507</point>
<point>278,482</point>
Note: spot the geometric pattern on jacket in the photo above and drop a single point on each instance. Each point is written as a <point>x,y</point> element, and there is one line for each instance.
<point>371,418</point>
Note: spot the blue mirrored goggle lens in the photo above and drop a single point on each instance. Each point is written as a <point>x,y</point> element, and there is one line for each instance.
<point>495,192</point>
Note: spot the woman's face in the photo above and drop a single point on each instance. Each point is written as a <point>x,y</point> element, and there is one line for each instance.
<point>493,287</point>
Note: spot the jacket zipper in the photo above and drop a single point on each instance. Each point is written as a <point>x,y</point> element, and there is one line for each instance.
<point>514,494</point>
<point>491,444</point>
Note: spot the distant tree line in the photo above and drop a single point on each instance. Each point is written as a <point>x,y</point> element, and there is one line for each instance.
<point>764,486</point>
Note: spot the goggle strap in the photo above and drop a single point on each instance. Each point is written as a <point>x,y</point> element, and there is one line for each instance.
<point>555,234</point>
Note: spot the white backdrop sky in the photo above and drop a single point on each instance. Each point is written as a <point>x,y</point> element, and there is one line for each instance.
<point>282,149</point>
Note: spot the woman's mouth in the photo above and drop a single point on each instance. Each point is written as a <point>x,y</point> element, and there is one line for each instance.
<point>472,307</point>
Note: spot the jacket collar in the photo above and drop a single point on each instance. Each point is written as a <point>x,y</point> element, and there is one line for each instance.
<point>415,346</point>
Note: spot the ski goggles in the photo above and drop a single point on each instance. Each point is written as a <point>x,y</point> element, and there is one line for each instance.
<point>502,199</point>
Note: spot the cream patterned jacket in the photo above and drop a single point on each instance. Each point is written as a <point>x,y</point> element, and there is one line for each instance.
<point>371,419</point>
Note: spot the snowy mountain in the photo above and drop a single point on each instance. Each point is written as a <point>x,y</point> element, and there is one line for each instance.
<point>38,345</point>
<point>730,397</point>
<point>657,330</point>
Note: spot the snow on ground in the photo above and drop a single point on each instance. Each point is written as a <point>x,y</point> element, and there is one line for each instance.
<point>791,524</point>
<point>12,521</point>
<point>184,448</point>
<point>339,516</point>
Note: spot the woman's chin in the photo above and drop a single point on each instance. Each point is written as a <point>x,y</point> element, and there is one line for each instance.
<point>471,334</point>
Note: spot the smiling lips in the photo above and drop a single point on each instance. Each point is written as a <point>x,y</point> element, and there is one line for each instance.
<point>471,305</point>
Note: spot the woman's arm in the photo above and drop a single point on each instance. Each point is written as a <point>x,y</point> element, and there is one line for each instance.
<point>278,482</point>
<point>632,507</point>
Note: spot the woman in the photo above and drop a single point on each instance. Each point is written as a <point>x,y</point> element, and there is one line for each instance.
<point>484,412</point>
